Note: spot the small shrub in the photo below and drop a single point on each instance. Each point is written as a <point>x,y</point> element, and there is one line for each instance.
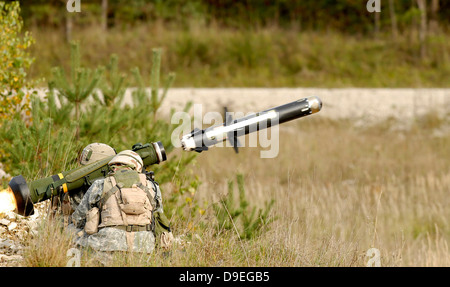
<point>49,247</point>
<point>242,217</point>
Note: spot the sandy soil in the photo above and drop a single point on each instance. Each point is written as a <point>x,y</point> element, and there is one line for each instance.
<point>367,104</point>
<point>370,104</point>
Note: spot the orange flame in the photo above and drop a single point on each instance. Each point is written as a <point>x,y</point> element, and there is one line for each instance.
<point>7,200</point>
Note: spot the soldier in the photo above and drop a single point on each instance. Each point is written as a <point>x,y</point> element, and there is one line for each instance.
<point>66,203</point>
<point>123,212</point>
<point>95,152</point>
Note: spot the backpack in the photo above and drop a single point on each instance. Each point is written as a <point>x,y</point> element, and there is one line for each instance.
<point>127,201</point>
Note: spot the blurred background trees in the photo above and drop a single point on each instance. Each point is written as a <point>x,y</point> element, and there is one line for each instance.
<point>227,43</point>
<point>348,16</point>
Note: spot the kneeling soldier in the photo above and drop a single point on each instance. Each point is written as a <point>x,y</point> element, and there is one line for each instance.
<point>123,212</point>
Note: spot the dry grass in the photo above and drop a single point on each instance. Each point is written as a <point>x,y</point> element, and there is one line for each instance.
<point>49,248</point>
<point>339,189</point>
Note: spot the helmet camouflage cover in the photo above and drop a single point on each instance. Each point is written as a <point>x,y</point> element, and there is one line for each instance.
<point>129,158</point>
<point>94,152</point>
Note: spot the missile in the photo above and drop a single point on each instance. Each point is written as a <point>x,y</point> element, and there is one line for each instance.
<point>199,140</point>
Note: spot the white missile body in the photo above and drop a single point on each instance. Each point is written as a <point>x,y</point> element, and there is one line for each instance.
<point>200,140</point>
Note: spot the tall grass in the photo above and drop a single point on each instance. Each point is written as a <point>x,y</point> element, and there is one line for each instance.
<point>49,247</point>
<point>339,190</point>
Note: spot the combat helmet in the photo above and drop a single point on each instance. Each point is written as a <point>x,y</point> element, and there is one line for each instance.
<point>128,158</point>
<point>94,152</point>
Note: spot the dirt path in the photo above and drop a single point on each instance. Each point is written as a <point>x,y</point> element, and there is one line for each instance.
<point>370,104</point>
<point>337,103</point>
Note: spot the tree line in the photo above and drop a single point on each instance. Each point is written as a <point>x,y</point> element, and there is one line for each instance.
<point>348,16</point>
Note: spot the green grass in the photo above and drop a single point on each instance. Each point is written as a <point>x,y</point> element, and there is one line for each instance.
<point>209,56</point>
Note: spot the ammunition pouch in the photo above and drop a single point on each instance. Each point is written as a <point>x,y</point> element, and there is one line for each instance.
<point>162,231</point>
<point>166,240</point>
<point>92,221</point>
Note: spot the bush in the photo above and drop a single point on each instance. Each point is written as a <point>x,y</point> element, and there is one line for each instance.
<point>74,115</point>
<point>242,218</point>
<point>14,61</point>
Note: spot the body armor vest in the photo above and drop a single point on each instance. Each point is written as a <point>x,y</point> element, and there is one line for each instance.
<point>126,200</point>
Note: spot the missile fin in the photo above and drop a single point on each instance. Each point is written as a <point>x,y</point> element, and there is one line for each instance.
<point>233,139</point>
<point>200,149</point>
<point>228,117</point>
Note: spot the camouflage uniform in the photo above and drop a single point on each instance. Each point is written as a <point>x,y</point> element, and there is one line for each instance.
<point>111,238</point>
<point>64,205</point>
<point>117,213</point>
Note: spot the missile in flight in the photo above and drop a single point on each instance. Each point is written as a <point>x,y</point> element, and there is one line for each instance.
<point>199,140</point>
